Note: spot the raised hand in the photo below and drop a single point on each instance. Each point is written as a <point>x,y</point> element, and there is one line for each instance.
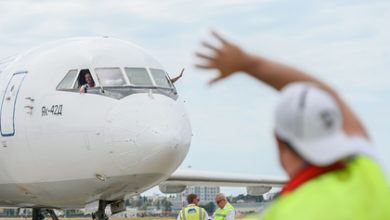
<point>227,59</point>
<point>178,77</point>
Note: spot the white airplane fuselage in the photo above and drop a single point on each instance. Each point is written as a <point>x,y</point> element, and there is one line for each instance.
<point>63,149</point>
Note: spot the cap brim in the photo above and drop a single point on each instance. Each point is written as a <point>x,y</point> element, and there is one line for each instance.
<point>327,150</point>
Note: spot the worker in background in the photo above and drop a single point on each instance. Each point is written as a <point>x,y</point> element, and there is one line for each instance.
<point>225,211</point>
<point>193,211</point>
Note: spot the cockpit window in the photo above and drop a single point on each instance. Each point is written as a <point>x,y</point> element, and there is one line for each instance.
<point>110,76</point>
<point>160,78</point>
<point>67,82</point>
<point>138,76</point>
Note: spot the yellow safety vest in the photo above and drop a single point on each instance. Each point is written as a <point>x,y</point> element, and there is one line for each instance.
<point>221,214</point>
<point>359,191</point>
<point>192,213</point>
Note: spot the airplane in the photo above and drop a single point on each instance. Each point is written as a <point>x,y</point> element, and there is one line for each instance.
<point>129,132</point>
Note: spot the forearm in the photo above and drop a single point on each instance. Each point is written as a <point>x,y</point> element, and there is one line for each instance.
<point>275,74</point>
<point>173,80</point>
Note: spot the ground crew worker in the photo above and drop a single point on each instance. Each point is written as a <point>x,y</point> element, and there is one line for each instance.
<point>323,146</point>
<point>192,211</point>
<point>225,211</point>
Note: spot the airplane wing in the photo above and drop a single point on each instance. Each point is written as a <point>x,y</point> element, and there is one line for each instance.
<point>255,184</point>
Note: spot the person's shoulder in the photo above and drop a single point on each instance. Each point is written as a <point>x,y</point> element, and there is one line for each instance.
<point>314,193</point>
<point>231,207</point>
<point>368,170</point>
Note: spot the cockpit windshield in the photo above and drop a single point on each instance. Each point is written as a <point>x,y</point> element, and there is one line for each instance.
<point>138,76</point>
<point>117,82</point>
<point>110,77</point>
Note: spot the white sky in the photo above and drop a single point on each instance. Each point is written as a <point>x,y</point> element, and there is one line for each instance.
<point>346,43</point>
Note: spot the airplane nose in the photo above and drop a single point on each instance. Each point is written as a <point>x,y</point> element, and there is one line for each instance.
<point>149,133</point>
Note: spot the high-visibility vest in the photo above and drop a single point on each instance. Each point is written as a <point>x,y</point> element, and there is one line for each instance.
<point>221,214</point>
<point>358,191</point>
<point>192,213</point>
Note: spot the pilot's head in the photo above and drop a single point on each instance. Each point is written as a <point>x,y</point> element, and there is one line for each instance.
<point>88,78</point>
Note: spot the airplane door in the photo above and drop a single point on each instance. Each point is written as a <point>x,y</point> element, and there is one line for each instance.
<point>7,116</point>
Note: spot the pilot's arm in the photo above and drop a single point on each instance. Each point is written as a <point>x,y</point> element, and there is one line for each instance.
<point>173,80</point>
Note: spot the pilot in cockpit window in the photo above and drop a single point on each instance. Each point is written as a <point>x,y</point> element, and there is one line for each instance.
<point>85,80</point>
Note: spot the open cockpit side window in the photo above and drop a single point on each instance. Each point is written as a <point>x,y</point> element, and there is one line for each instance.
<point>85,78</point>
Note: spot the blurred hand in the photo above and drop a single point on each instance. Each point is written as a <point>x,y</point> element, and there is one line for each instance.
<point>228,59</point>
<point>82,89</point>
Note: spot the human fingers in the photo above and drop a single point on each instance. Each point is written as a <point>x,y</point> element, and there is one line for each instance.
<point>206,57</point>
<point>205,66</point>
<point>215,34</point>
<point>182,71</point>
<point>210,59</point>
<point>211,47</point>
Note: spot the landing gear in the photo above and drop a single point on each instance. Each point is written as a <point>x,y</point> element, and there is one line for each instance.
<point>52,214</point>
<point>100,214</point>
<point>37,215</point>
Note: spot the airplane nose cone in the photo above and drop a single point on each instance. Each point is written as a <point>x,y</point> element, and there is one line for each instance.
<point>149,132</point>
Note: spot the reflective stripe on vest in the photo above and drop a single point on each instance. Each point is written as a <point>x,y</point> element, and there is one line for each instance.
<point>192,213</point>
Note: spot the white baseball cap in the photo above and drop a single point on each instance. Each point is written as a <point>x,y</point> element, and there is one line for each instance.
<point>310,120</point>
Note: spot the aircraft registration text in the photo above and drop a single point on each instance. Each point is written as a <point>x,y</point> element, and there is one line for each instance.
<point>53,110</point>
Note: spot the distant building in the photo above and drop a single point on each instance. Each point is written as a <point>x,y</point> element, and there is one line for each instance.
<point>271,196</point>
<point>205,194</point>
<point>9,212</point>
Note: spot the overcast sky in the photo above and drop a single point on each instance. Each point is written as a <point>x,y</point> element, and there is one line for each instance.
<point>345,43</point>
